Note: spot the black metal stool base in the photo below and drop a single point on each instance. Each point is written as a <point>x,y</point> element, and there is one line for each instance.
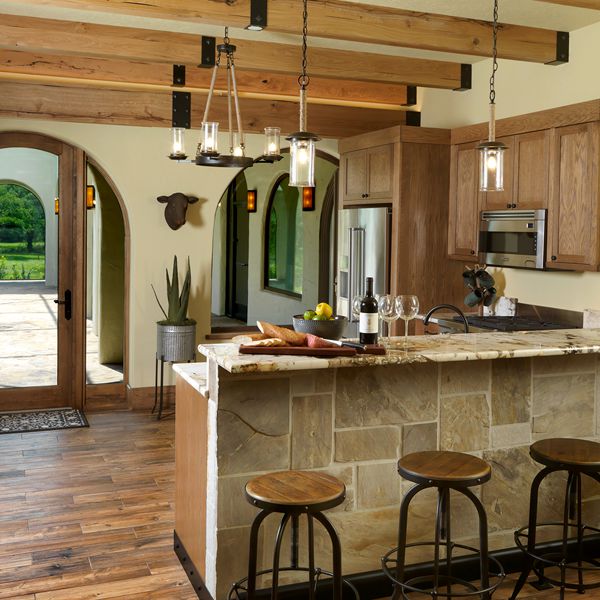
<point>240,585</point>
<point>439,584</point>
<point>444,580</point>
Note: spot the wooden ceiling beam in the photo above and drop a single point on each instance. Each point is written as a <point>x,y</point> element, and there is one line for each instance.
<point>339,19</point>
<point>153,109</point>
<point>104,41</point>
<point>137,74</point>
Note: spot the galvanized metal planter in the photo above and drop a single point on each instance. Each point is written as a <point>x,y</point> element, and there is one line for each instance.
<point>175,343</point>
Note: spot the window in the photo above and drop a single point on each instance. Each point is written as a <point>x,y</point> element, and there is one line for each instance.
<point>284,240</point>
<point>22,234</point>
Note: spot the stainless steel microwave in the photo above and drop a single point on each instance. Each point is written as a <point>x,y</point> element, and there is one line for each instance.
<point>513,238</point>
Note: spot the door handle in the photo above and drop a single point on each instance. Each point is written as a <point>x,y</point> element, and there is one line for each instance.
<point>67,303</point>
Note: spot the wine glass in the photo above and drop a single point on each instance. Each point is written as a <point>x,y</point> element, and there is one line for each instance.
<point>388,311</point>
<point>408,308</point>
<point>356,307</point>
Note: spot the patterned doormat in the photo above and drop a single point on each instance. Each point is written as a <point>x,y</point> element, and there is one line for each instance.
<point>41,420</point>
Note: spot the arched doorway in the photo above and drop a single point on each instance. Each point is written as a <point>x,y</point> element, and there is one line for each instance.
<point>43,359</point>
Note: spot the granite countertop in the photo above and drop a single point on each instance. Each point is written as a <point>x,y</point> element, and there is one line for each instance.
<point>194,374</point>
<point>421,349</point>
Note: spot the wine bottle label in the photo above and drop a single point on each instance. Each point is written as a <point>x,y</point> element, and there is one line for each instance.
<point>368,323</point>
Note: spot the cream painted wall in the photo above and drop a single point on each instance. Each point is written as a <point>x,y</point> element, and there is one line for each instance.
<point>135,159</point>
<point>522,88</point>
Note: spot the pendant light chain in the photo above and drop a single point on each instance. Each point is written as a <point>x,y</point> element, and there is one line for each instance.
<point>304,79</point>
<point>492,123</point>
<point>494,55</point>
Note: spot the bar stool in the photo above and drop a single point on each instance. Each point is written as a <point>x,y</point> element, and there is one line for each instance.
<point>445,471</point>
<point>576,457</point>
<point>293,493</point>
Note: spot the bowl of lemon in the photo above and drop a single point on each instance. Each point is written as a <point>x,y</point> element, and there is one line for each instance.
<point>321,321</point>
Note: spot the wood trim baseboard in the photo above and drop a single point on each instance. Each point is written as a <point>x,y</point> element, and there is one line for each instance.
<point>142,398</point>
<point>105,397</point>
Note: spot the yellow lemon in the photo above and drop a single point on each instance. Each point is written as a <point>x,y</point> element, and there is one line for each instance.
<point>324,310</point>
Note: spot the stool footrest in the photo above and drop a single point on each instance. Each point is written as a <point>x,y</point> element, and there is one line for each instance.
<point>238,586</point>
<point>409,585</point>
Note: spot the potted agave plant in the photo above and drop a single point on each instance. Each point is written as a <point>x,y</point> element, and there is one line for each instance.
<point>176,334</point>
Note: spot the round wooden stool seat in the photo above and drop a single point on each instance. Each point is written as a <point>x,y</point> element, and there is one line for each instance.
<point>578,454</point>
<point>302,489</point>
<point>444,468</point>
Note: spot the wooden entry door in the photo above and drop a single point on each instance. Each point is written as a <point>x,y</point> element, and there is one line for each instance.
<point>52,372</point>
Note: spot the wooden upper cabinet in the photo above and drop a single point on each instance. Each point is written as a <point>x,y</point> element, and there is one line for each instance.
<point>505,199</point>
<point>354,175</point>
<point>463,220</point>
<point>532,169</point>
<point>574,196</point>
<point>526,169</point>
<point>368,175</point>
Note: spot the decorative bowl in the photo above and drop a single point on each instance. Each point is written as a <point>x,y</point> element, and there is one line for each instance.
<point>331,330</point>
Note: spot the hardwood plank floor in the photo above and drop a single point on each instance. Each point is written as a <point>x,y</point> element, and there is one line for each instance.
<point>89,513</point>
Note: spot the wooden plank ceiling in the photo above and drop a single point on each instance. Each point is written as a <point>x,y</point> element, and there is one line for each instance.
<point>89,71</point>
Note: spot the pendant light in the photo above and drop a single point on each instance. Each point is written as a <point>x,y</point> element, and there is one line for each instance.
<point>302,143</point>
<point>208,150</point>
<point>491,153</point>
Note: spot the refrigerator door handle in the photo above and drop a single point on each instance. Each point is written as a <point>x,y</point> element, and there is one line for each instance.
<point>356,266</point>
<point>350,275</point>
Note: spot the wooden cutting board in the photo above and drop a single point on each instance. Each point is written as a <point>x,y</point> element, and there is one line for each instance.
<point>304,351</point>
<point>298,351</point>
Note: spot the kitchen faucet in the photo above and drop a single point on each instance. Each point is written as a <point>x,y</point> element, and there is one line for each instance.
<point>451,307</point>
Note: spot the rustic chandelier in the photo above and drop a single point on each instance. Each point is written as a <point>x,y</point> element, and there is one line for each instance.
<point>491,153</point>
<point>302,143</point>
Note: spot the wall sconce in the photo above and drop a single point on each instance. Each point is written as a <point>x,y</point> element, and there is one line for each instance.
<point>55,206</point>
<point>251,201</point>
<point>90,197</point>
<point>308,199</point>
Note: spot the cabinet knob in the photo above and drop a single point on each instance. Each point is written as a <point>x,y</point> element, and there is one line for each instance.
<point>553,257</point>
<point>508,206</point>
<point>472,251</point>
<point>363,195</point>
<point>514,206</point>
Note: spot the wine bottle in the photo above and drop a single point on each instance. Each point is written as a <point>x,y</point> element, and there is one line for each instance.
<point>369,320</point>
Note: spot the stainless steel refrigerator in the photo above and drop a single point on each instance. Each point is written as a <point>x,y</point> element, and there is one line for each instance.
<point>363,251</point>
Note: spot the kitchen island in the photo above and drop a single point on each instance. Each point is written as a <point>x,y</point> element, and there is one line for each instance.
<point>487,394</point>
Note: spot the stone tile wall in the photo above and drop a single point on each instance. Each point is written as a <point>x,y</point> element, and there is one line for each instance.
<point>355,423</point>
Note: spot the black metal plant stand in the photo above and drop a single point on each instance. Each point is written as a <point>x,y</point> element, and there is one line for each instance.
<point>159,389</point>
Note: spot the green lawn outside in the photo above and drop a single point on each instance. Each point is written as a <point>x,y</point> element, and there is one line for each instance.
<point>18,264</point>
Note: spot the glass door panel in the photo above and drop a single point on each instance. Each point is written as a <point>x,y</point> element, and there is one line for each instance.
<point>28,268</point>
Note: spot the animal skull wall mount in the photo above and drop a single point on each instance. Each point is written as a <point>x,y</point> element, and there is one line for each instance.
<point>176,207</point>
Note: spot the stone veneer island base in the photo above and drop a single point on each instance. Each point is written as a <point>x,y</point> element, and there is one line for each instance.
<point>487,394</point>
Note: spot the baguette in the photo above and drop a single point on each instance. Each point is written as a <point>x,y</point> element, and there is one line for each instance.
<point>293,338</point>
<point>269,342</point>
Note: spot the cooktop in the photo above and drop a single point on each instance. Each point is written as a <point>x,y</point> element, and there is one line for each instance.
<point>512,323</point>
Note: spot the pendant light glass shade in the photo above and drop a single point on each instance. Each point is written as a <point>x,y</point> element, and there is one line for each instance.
<point>491,166</point>
<point>302,159</point>
<point>177,144</point>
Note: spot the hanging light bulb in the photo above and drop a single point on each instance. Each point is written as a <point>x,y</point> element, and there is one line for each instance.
<point>491,153</point>
<point>177,144</point>
<point>302,143</point>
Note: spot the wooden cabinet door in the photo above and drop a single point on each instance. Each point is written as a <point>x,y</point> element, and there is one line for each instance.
<point>380,172</point>
<point>505,199</point>
<point>573,211</point>
<point>463,221</point>
<point>532,169</point>
<point>354,176</point>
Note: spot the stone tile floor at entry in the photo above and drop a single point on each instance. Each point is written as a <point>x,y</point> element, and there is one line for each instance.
<point>28,338</point>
